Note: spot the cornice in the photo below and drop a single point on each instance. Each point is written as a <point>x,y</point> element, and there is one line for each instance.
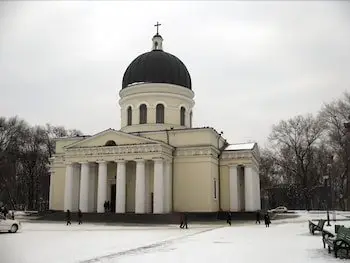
<point>117,150</point>
<point>240,156</point>
<point>197,151</point>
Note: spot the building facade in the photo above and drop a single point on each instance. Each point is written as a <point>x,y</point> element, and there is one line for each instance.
<point>157,162</point>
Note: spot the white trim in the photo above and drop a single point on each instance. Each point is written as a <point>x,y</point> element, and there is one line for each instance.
<point>110,130</point>
<point>143,102</point>
<point>156,87</point>
<point>185,106</point>
<point>190,101</point>
<point>160,102</point>
<point>129,105</point>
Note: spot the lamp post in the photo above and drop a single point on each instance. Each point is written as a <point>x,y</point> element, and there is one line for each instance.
<point>326,190</point>
<point>347,165</point>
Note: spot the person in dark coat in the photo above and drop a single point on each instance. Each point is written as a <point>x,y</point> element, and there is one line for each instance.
<point>69,218</point>
<point>105,206</point>
<point>267,220</point>
<point>229,218</point>
<point>5,211</point>
<point>184,221</point>
<point>80,216</point>
<point>257,217</point>
<point>13,215</point>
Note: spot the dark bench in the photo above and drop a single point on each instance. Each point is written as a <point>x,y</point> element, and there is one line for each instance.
<point>339,242</point>
<point>319,227</point>
<point>326,235</point>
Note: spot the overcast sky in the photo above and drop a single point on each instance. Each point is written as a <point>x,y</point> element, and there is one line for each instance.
<point>252,63</point>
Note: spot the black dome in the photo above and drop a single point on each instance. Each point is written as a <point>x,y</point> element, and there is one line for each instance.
<point>157,66</point>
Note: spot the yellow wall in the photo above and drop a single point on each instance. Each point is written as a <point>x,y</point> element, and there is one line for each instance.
<point>58,188</point>
<point>130,186</point>
<point>224,188</point>
<point>183,138</point>
<point>193,185</point>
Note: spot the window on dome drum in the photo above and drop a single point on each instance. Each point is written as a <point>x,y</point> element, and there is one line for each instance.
<point>160,113</point>
<point>129,113</point>
<point>143,114</point>
<point>182,116</point>
<point>110,143</point>
<point>191,119</point>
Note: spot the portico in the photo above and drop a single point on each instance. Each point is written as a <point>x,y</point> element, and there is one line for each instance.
<point>142,184</point>
<point>93,186</point>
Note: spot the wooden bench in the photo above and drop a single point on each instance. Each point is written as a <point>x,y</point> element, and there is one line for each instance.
<point>325,235</point>
<point>340,242</point>
<point>319,227</point>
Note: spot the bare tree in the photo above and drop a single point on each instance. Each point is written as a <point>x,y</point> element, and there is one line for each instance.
<point>293,143</point>
<point>24,161</point>
<point>334,115</point>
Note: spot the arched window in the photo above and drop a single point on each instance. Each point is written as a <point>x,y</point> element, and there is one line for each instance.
<point>191,119</point>
<point>160,113</point>
<point>143,114</point>
<point>182,116</point>
<point>129,113</point>
<point>110,143</point>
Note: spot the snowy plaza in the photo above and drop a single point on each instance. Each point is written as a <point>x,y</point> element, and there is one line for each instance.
<point>286,240</point>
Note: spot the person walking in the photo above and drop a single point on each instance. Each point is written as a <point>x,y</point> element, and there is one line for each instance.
<point>5,211</point>
<point>267,220</point>
<point>69,218</point>
<point>229,218</point>
<point>184,221</point>
<point>80,216</point>
<point>257,217</point>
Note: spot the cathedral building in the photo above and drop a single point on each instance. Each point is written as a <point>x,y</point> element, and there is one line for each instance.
<point>157,162</point>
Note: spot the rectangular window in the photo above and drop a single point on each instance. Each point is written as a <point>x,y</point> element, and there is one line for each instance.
<point>215,188</point>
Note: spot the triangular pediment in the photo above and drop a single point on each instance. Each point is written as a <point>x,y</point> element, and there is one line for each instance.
<point>108,136</point>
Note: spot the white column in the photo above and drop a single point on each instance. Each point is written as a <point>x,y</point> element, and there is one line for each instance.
<point>168,187</point>
<point>84,187</point>
<point>249,188</point>
<point>233,186</point>
<point>76,187</point>
<point>92,187</point>
<point>52,173</point>
<point>140,188</point>
<point>120,197</point>
<point>158,187</point>
<point>101,186</point>
<point>68,188</point>
<point>257,185</point>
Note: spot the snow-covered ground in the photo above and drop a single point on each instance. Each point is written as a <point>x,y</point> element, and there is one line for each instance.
<point>286,240</point>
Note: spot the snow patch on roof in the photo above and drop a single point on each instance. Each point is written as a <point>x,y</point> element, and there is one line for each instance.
<point>240,146</point>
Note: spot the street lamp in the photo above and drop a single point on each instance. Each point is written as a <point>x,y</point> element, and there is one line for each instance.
<point>347,143</point>
<point>325,179</point>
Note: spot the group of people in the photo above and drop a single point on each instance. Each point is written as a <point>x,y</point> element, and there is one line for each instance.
<point>107,206</point>
<point>266,218</point>
<point>69,217</point>
<point>183,218</point>
<point>6,213</point>
<point>258,216</point>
